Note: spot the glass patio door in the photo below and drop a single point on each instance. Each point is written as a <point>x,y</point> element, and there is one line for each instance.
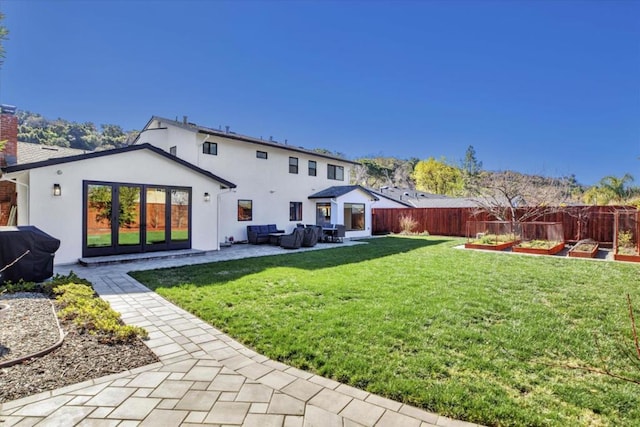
<point>128,218</point>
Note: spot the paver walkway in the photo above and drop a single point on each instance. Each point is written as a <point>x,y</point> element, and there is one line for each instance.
<point>204,378</point>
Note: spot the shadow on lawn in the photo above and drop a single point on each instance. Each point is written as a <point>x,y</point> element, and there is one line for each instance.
<point>208,274</point>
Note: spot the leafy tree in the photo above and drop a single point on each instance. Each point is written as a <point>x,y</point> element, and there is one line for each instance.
<point>438,177</point>
<point>112,136</point>
<point>610,189</point>
<point>100,199</point>
<point>471,168</point>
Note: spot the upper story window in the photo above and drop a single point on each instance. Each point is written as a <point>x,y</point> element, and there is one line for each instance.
<point>210,148</point>
<point>261,154</point>
<point>313,168</point>
<point>173,150</point>
<point>335,172</point>
<point>293,165</point>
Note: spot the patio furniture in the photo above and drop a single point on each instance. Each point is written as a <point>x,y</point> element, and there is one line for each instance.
<point>260,233</point>
<point>293,240</point>
<point>340,233</point>
<point>310,237</point>
<point>274,238</point>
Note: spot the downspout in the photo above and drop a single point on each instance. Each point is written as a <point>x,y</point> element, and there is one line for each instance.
<point>230,190</point>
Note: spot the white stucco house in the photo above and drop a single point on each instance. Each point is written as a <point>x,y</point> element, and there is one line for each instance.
<point>179,186</point>
<point>276,183</point>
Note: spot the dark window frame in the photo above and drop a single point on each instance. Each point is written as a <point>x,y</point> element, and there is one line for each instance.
<point>295,211</point>
<point>262,154</point>
<point>332,172</point>
<point>293,165</point>
<point>210,148</point>
<point>313,171</point>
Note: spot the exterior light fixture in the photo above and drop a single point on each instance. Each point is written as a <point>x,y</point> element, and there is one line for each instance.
<point>207,197</point>
<point>57,190</point>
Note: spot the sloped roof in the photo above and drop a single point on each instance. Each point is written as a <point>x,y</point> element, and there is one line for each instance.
<point>232,135</point>
<point>130,148</point>
<point>340,190</point>
<point>421,199</point>
<point>30,153</point>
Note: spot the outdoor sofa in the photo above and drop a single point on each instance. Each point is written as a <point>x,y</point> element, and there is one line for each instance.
<point>260,233</point>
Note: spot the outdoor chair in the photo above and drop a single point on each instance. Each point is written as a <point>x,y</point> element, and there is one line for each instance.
<point>339,234</point>
<point>293,240</point>
<point>310,237</point>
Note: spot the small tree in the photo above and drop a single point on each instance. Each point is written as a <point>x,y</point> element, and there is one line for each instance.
<point>511,196</point>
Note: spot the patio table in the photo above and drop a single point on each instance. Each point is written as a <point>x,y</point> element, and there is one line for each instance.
<point>274,238</point>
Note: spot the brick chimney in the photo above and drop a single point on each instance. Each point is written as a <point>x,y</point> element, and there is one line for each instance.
<point>8,157</point>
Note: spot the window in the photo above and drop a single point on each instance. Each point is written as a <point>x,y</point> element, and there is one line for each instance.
<point>313,167</point>
<point>323,213</point>
<point>354,216</point>
<point>261,154</point>
<point>245,210</point>
<point>335,172</point>
<point>210,148</point>
<point>173,150</point>
<point>293,165</point>
<point>295,211</point>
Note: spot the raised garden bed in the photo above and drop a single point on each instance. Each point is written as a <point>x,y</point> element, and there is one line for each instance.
<point>539,247</point>
<point>582,249</point>
<point>491,247</point>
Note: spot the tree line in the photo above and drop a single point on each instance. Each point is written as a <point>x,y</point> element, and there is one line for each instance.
<point>465,178</point>
<point>34,128</point>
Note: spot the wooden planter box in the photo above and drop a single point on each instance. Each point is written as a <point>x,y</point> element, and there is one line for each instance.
<point>584,254</point>
<point>497,247</point>
<point>629,258</point>
<point>536,251</point>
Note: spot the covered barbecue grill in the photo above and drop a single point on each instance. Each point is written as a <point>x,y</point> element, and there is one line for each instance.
<point>37,264</point>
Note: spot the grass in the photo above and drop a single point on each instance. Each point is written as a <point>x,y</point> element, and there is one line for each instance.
<point>482,337</point>
<point>133,238</point>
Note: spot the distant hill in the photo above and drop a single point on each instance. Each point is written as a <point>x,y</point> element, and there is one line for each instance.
<point>34,128</point>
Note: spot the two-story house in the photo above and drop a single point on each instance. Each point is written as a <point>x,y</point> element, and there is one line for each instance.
<point>276,183</point>
<point>183,186</point>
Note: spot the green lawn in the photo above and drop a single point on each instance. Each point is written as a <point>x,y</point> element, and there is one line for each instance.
<point>133,238</point>
<point>472,335</point>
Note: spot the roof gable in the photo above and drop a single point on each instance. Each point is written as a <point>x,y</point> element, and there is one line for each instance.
<point>341,190</point>
<point>115,151</point>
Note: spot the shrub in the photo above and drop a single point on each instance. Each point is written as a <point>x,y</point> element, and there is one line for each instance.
<point>79,304</point>
<point>407,224</point>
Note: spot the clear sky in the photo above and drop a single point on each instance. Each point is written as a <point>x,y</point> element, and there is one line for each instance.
<point>546,87</point>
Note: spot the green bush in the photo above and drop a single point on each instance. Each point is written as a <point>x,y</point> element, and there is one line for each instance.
<point>78,303</point>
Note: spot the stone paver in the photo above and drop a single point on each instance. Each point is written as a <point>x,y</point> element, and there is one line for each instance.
<point>204,377</point>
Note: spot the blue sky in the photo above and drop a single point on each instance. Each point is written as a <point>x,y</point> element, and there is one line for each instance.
<point>545,87</point>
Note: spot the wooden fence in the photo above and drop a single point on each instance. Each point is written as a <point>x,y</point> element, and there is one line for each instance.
<point>594,222</point>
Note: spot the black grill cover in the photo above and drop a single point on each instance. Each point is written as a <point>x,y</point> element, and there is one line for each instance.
<point>37,265</point>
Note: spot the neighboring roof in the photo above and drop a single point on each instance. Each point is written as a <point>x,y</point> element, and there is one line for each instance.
<point>421,199</point>
<point>29,152</point>
<point>130,148</point>
<point>232,135</point>
<point>340,190</point>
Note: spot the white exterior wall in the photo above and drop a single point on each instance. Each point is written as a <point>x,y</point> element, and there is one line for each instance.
<point>266,182</point>
<point>337,211</point>
<point>61,216</point>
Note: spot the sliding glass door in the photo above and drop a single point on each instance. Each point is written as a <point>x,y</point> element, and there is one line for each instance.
<point>127,218</point>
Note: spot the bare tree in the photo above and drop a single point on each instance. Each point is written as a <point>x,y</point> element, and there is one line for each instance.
<point>511,196</point>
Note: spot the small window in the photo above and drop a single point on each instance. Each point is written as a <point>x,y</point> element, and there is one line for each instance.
<point>293,165</point>
<point>173,150</point>
<point>313,168</point>
<point>210,148</point>
<point>261,154</point>
<point>245,210</point>
<point>335,172</point>
<point>295,211</point>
